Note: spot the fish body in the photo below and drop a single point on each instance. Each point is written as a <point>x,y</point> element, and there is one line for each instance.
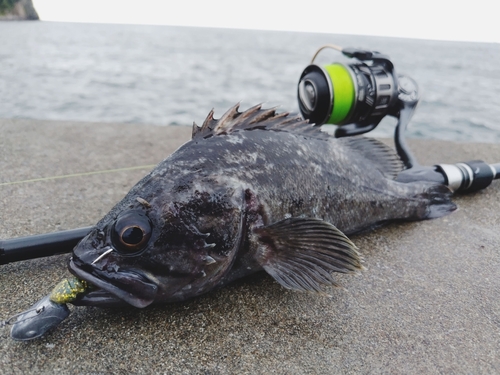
<point>251,191</point>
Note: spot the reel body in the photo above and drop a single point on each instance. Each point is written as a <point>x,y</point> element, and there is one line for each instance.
<point>356,96</point>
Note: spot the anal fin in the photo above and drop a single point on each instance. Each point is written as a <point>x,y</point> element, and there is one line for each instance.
<point>301,253</point>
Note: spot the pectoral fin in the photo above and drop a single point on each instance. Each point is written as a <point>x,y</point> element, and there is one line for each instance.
<point>300,253</point>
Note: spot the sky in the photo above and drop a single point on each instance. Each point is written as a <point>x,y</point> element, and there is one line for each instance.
<point>476,21</point>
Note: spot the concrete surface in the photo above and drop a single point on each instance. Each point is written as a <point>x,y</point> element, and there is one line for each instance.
<point>428,303</point>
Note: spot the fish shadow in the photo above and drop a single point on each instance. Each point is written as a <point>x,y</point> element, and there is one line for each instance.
<point>255,304</point>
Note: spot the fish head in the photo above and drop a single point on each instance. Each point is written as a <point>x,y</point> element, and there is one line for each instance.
<point>162,248</point>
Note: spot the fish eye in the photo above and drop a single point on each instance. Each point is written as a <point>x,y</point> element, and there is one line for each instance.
<point>131,232</point>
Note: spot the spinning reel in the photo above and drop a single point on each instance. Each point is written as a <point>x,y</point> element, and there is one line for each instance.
<point>357,96</point>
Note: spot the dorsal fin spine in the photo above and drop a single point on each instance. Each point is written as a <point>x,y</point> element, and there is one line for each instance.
<point>195,130</point>
<point>253,118</point>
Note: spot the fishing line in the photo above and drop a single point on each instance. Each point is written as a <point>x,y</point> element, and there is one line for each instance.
<point>77,175</point>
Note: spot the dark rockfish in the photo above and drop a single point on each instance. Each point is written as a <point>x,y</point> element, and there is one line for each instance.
<point>253,190</point>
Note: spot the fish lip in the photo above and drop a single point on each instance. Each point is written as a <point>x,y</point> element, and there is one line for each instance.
<point>147,288</point>
<point>100,298</point>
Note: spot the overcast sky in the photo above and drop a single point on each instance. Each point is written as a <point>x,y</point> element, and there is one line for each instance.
<point>476,20</point>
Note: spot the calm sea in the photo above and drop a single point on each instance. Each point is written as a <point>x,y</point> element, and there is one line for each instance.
<point>174,75</point>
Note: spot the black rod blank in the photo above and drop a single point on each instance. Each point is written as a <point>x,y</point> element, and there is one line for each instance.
<point>40,245</point>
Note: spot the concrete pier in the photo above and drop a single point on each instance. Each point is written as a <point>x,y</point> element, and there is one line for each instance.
<point>428,301</point>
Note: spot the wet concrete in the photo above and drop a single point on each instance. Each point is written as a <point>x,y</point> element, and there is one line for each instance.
<point>428,302</point>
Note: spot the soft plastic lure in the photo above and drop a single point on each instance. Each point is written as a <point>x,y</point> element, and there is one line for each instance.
<point>48,312</point>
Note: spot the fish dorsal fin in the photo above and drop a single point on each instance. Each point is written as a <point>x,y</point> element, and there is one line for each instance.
<point>253,118</point>
<point>300,253</point>
<point>207,127</point>
<point>382,156</point>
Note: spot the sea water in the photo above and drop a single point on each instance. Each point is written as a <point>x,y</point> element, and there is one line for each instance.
<point>169,75</point>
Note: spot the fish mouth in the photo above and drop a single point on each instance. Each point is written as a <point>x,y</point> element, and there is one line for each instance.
<point>129,286</point>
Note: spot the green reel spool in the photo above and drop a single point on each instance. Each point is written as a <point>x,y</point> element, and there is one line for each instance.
<point>344,93</point>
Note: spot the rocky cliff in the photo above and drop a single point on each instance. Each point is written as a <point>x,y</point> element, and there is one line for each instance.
<point>17,10</point>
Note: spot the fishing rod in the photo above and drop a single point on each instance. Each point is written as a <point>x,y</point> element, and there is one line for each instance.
<point>41,245</point>
<point>354,96</point>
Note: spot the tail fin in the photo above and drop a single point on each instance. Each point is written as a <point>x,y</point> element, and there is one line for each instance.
<point>439,202</point>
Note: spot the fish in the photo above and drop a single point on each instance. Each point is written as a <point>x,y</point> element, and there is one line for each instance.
<point>253,190</point>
